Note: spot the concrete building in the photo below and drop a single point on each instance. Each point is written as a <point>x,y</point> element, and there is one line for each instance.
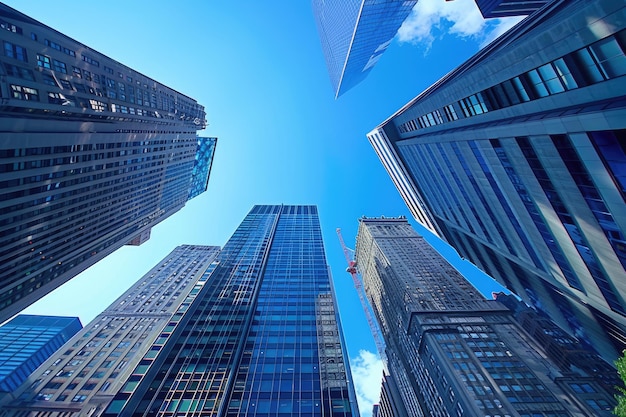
<point>452,352</point>
<point>92,155</point>
<point>354,34</point>
<point>518,158</point>
<point>27,341</point>
<point>82,377</point>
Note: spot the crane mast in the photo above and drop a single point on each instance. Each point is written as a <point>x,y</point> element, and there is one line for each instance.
<point>358,285</point>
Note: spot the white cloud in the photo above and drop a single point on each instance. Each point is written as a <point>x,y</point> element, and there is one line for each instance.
<point>432,19</point>
<point>367,374</point>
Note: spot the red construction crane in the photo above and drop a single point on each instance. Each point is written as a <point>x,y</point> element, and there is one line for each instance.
<point>351,269</point>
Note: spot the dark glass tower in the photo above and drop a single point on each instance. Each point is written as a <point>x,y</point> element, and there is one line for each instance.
<point>262,336</point>
<point>518,158</point>
<point>92,155</point>
<point>27,341</point>
<point>354,35</point>
<point>503,8</point>
<point>451,352</point>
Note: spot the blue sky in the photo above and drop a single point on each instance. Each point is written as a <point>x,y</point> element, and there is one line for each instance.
<point>258,69</point>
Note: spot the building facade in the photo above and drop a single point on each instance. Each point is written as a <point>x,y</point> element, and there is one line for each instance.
<point>451,352</point>
<point>92,155</point>
<point>518,156</point>
<point>505,8</point>
<point>82,378</point>
<point>261,338</point>
<point>354,34</point>
<point>26,341</point>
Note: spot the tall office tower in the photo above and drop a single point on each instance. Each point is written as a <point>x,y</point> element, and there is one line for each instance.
<point>451,352</point>
<point>261,338</point>
<point>82,378</point>
<point>504,8</point>
<point>92,155</point>
<point>27,341</point>
<point>519,157</point>
<point>354,35</point>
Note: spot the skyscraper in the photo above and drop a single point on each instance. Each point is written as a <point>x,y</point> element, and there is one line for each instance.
<point>354,35</point>
<point>518,156</point>
<point>262,336</point>
<point>92,155</point>
<point>504,8</point>
<point>82,378</point>
<point>451,352</point>
<point>27,341</point>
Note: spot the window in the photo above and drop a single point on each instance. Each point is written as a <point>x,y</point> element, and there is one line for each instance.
<point>58,98</point>
<point>536,82</point>
<point>59,66</point>
<point>66,84</point>
<point>10,27</point>
<point>53,45</point>
<point>49,79</point>
<point>450,113</point>
<point>90,60</point>
<point>564,74</point>
<point>15,71</point>
<point>44,61</point>
<point>24,93</point>
<point>15,51</point>
<point>609,57</point>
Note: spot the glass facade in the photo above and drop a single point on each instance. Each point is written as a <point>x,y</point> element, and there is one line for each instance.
<point>453,353</point>
<point>71,195</point>
<point>354,34</point>
<point>27,341</point>
<point>518,159</point>
<point>262,336</point>
<point>202,166</point>
<point>503,8</point>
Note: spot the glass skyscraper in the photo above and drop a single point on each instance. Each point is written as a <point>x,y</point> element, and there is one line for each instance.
<point>82,377</point>
<point>354,34</point>
<point>451,352</point>
<point>504,8</point>
<point>518,158</point>
<point>27,341</point>
<point>92,155</point>
<point>262,336</point>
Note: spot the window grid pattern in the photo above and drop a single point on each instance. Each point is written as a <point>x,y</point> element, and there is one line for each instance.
<point>536,217</point>
<point>600,61</point>
<point>505,204</point>
<point>590,193</point>
<point>64,206</point>
<point>577,237</point>
<point>481,197</point>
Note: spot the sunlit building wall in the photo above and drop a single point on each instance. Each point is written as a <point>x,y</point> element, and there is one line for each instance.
<point>451,352</point>
<point>92,155</point>
<point>84,375</point>
<point>518,156</point>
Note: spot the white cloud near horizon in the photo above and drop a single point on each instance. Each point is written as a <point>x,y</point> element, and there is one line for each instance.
<point>367,374</point>
<point>432,19</point>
